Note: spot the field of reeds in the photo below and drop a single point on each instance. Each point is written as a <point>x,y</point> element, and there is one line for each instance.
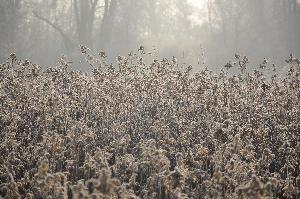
<point>149,130</point>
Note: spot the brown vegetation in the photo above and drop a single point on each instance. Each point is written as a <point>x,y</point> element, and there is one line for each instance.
<point>137,130</point>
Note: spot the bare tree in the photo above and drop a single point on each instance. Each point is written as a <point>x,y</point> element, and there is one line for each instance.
<point>107,23</point>
<point>69,44</point>
<point>85,15</point>
<point>9,21</point>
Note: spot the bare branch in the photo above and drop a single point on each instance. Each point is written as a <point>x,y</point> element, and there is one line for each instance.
<point>68,42</point>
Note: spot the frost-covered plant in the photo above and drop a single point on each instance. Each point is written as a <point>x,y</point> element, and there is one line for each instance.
<point>135,129</point>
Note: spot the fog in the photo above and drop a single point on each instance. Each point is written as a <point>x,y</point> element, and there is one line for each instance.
<point>197,32</point>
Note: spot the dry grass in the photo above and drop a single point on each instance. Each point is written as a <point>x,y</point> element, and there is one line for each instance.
<point>136,130</point>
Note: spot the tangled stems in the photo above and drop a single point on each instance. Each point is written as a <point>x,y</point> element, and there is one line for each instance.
<point>138,130</point>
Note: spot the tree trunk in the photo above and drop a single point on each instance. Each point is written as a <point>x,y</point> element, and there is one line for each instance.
<point>85,16</point>
<point>107,24</point>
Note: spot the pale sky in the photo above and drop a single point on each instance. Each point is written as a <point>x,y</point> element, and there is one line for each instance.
<point>198,3</point>
<point>200,13</point>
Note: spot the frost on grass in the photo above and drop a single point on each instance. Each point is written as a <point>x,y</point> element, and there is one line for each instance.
<point>138,130</point>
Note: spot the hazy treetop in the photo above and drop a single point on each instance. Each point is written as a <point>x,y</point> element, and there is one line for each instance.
<point>200,32</point>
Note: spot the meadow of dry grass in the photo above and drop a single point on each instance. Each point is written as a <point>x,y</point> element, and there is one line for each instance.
<point>139,130</point>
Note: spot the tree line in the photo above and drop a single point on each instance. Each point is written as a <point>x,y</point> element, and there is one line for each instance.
<point>43,30</point>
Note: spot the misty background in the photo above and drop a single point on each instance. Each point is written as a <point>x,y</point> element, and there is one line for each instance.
<point>199,32</point>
